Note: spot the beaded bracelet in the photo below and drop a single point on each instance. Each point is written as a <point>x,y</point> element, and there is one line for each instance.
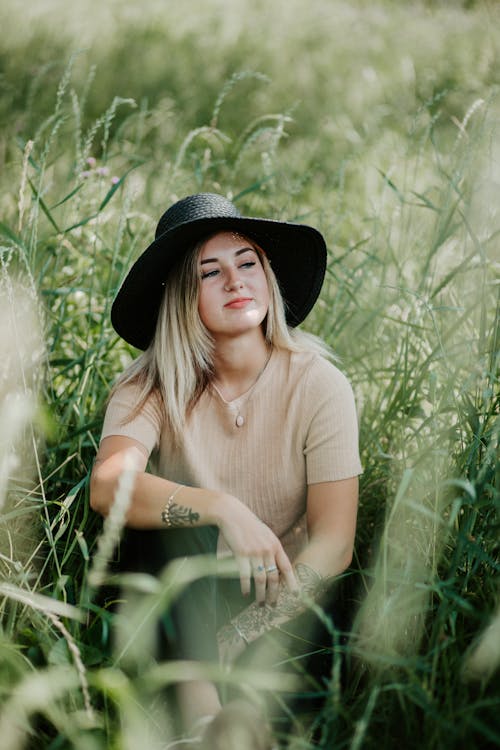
<point>243,637</point>
<point>165,514</point>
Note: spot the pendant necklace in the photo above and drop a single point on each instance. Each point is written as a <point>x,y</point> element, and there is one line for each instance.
<point>234,405</point>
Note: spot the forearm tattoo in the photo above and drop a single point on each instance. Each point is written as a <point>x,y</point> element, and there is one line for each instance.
<point>179,515</point>
<point>256,619</point>
<point>309,579</point>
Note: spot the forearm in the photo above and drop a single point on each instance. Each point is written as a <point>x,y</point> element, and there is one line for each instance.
<point>160,503</point>
<point>316,567</point>
<point>256,619</point>
<point>156,502</point>
<point>190,506</point>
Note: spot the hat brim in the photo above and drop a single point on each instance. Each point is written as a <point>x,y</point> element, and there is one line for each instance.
<point>297,254</point>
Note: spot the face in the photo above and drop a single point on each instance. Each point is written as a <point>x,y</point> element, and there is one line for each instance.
<point>234,295</point>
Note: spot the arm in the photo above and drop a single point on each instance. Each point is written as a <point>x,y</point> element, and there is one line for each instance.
<point>331,519</point>
<point>150,492</point>
<point>248,538</point>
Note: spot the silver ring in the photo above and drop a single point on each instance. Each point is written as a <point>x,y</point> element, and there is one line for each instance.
<point>271,568</point>
<point>260,568</point>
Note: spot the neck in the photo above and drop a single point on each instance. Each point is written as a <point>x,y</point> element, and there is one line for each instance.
<point>239,362</point>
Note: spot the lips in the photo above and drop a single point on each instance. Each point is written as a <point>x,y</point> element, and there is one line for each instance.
<point>235,304</point>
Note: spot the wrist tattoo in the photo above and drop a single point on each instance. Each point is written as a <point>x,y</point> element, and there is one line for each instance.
<point>179,515</point>
<point>174,514</point>
<point>229,635</point>
<point>240,633</point>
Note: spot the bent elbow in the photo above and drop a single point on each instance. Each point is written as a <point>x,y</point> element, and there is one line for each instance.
<point>97,495</point>
<point>349,554</point>
<point>344,560</point>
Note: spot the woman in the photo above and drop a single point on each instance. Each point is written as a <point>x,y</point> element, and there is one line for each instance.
<point>252,430</point>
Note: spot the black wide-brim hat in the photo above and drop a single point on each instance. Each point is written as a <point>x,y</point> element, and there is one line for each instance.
<point>297,254</point>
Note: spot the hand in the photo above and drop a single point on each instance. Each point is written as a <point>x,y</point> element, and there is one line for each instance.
<point>258,552</point>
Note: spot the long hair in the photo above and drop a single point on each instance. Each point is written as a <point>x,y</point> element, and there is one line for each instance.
<point>178,364</point>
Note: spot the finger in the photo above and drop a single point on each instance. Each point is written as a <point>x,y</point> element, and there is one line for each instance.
<point>273,580</point>
<point>260,579</point>
<point>245,575</point>
<point>286,570</point>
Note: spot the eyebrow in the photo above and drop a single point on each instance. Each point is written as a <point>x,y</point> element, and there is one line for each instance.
<point>238,252</point>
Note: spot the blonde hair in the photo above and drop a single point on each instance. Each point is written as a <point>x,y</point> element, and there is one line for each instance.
<point>178,364</point>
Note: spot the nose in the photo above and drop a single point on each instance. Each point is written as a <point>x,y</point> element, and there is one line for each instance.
<point>232,280</point>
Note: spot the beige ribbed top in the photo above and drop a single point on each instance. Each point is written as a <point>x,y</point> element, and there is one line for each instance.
<point>300,427</point>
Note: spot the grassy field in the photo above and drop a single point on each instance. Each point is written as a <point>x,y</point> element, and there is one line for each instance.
<point>378,123</point>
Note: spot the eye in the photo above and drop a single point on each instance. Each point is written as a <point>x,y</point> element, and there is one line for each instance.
<point>208,274</point>
<point>248,264</point>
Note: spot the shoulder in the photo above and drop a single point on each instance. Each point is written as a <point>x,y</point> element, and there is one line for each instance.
<point>316,373</point>
<point>132,397</point>
<point>133,413</point>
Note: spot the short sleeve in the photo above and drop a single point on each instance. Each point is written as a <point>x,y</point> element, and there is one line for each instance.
<point>145,427</point>
<point>331,446</point>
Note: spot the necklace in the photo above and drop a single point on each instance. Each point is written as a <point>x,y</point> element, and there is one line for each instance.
<point>237,403</point>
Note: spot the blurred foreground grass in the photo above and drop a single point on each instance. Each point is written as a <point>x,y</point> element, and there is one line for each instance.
<point>379,124</point>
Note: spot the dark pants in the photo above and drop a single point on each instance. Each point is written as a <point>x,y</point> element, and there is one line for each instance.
<point>188,629</point>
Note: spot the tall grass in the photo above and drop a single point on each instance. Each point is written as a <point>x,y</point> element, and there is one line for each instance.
<point>386,137</point>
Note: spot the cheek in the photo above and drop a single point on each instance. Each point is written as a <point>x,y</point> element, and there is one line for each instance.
<point>265,294</point>
<point>201,308</point>
<point>204,305</point>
